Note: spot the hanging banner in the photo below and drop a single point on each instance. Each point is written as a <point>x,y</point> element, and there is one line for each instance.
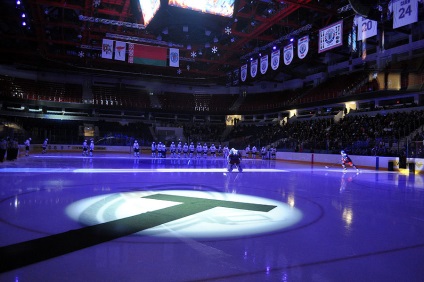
<point>264,64</point>
<point>275,59</point>
<point>366,28</point>
<point>288,54</point>
<point>303,47</point>
<point>330,37</point>
<point>147,55</point>
<point>174,57</point>
<point>107,49</point>
<point>236,75</point>
<point>243,72</point>
<point>404,12</point>
<point>120,50</point>
<point>254,68</point>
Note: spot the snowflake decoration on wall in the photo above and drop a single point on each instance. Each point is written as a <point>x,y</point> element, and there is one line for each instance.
<point>179,71</point>
<point>228,30</point>
<point>188,67</point>
<point>214,49</point>
<point>193,54</point>
<point>96,3</point>
<point>81,54</point>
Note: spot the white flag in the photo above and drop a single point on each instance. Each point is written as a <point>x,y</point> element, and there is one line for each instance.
<point>366,28</point>
<point>264,64</point>
<point>254,68</point>
<point>174,57</point>
<point>107,49</point>
<point>275,59</point>
<point>288,54</point>
<point>404,12</point>
<point>243,72</point>
<point>303,47</point>
<point>120,50</point>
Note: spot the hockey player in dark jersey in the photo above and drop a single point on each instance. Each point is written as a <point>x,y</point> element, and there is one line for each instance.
<point>234,159</point>
<point>347,160</point>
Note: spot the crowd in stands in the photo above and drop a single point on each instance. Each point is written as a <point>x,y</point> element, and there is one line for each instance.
<point>361,134</point>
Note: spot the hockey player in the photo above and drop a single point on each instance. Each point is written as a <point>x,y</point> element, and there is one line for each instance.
<point>153,150</point>
<point>185,150</point>
<point>247,151</point>
<point>27,144</point>
<point>191,148</point>
<point>160,150</point>
<point>91,148</point>
<point>273,152</point>
<point>234,159</point>
<point>199,150</point>
<point>226,151</point>
<point>179,149</point>
<point>3,149</point>
<point>219,150</point>
<point>263,153</point>
<point>173,149</point>
<point>254,152</point>
<point>136,148</point>
<point>85,148</point>
<point>212,149</point>
<point>205,150</point>
<point>347,160</point>
<point>44,146</point>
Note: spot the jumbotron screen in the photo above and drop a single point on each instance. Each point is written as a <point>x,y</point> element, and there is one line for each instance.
<point>217,7</point>
<point>149,9</point>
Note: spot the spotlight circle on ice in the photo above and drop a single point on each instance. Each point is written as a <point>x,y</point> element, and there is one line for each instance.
<point>195,214</point>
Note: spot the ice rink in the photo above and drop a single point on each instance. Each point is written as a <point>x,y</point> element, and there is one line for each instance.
<point>65,217</point>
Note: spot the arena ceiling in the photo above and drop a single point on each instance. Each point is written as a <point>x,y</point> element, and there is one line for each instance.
<point>68,34</point>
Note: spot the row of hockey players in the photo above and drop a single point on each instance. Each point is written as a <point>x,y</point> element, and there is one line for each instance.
<point>9,148</point>
<point>88,149</point>
<point>188,151</point>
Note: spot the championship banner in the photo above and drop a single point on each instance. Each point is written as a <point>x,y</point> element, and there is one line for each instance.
<point>254,68</point>
<point>303,47</point>
<point>366,28</point>
<point>236,75</point>
<point>120,50</point>
<point>288,54</point>
<point>264,64</point>
<point>275,59</point>
<point>107,49</point>
<point>330,37</point>
<point>404,12</point>
<point>174,57</point>
<point>243,72</point>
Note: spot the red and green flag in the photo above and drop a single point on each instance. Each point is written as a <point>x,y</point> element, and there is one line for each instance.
<point>147,55</point>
